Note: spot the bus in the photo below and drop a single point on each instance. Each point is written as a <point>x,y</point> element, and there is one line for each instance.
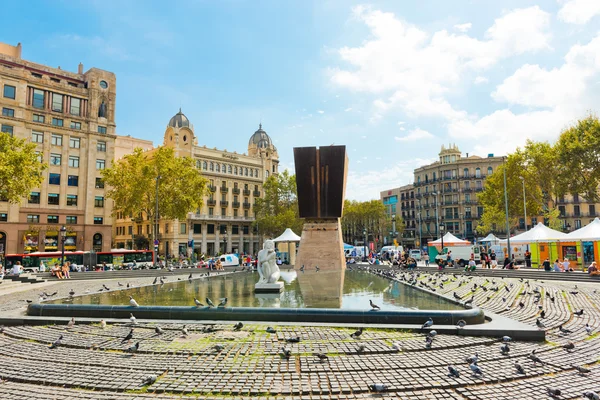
<point>116,258</point>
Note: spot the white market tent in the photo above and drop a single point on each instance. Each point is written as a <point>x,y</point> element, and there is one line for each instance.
<point>539,233</point>
<point>491,238</point>
<point>287,236</point>
<point>590,232</point>
<point>449,239</point>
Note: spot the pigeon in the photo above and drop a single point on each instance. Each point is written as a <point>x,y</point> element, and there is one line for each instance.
<point>456,296</point>
<point>322,357</point>
<point>579,313</point>
<point>71,293</point>
<point>119,284</point>
<point>197,302</point>
<point>105,288</point>
<point>591,395</point>
<point>461,324</point>
<point>302,268</point>
<point>162,281</point>
<point>564,331</point>
<point>158,330</point>
<point>271,330</point>
<point>218,348</point>
<point>71,323</point>
<point>427,324</point>
<point>396,346</point>
<point>357,333</point>
<point>134,348</point>
<point>475,369</point>
<point>132,302</point>
<point>128,337</point>
<point>286,353</point>
<point>520,369</point>
<point>209,302</point>
<point>57,342</point>
<point>540,324</point>
<point>374,306</point>
<point>238,326</point>
<point>533,357</point>
<point>223,302</point>
<point>428,342</point>
<point>360,348</point>
<point>432,333</point>
<point>504,349</point>
<point>295,339</point>
<point>132,319</point>
<point>155,280</point>
<point>506,339</point>
<point>378,387</point>
<point>554,393</point>
<point>149,380</point>
<point>588,329</point>
<point>190,276</point>
<point>581,370</point>
<point>317,268</point>
<point>568,347</point>
<point>453,372</point>
<point>473,359</point>
<point>469,302</point>
<point>102,324</point>
<point>543,314</point>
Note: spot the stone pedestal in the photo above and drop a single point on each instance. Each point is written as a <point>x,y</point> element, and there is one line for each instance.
<point>268,287</point>
<point>321,245</point>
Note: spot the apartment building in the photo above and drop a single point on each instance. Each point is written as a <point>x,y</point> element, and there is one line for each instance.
<point>70,116</point>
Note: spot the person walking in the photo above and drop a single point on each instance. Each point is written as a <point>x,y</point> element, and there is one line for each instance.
<point>426,258</point>
<point>493,260</point>
<point>528,259</point>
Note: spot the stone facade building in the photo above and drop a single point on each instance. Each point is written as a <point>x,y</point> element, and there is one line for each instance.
<point>71,118</point>
<point>224,223</point>
<point>400,205</point>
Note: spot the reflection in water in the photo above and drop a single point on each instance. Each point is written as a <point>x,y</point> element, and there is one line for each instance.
<point>358,288</point>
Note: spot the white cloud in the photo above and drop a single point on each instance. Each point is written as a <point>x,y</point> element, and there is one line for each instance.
<point>579,11</point>
<point>480,80</point>
<point>414,135</point>
<point>321,112</point>
<point>402,128</point>
<point>463,27</point>
<point>401,122</point>
<point>348,109</point>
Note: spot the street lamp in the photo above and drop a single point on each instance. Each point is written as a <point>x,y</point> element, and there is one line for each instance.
<point>156,224</point>
<point>393,226</point>
<point>365,243</point>
<point>420,225</point>
<point>506,209</point>
<point>437,214</point>
<point>442,235</point>
<point>524,202</point>
<point>63,238</point>
<point>225,240</point>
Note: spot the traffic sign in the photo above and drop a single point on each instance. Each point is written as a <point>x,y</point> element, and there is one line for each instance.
<point>156,242</point>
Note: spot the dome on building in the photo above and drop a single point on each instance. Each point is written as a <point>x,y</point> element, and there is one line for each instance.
<point>179,120</point>
<point>260,139</point>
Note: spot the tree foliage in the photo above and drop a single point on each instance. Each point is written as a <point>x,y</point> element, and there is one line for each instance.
<point>20,169</point>
<point>277,209</point>
<point>132,184</point>
<point>369,216</point>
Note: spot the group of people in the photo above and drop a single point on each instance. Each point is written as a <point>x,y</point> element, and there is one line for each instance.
<point>61,272</point>
<point>558,266</point>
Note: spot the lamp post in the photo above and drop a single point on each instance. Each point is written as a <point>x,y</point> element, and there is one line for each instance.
<point>420,225</point>
<point>393,226</point>
<point>365,243</point>
<point>506,210</point>
<point>225,240</point>
<point>524,203</point>
<point>156,224</point>
<point>442,235</point>
<point>63,238</point>
<point>437,214</point>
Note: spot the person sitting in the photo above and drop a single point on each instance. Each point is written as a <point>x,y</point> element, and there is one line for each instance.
<point>506,262</point>
<point>471,266</point>
<point>57,271</point>
<point>593,269</point>
<point>411,263</point>
<point>546,265</point>
<point>567,265</point>
<point>558,266</point>
<point>512,265</point>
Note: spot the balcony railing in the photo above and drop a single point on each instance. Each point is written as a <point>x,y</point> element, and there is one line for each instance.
<point>212,188</point>
<point>236,204</point>
<point>220,217</point>
<point>235,190</point>
<point>246,192</point>
<point>246,205</point>
<point>224,203</point>
<point>211,202</point>
<point>224,189</point>
<point>256,193</point>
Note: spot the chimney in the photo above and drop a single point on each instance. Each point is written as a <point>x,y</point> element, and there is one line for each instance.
<point>19,48</point>
<point>80,69</point>
<point>467,155</point>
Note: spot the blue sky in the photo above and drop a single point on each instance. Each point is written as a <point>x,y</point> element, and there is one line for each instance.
<point>392,80</point>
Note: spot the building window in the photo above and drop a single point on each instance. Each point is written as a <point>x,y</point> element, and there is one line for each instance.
<point>74,161</point>
<point>98,220</point>
<point>223,211</point>
<point>53,219</point>
<point>39,118</point>
<point>212,166</point>
<point>577,223</point>
<point>57,122</point>
<point>211,211</point>
<point>182,228</point>
<point>218,167</point>
<point>204,165</point>
<point>99,201</point>
<point>39,98</point>
<point>490,170</point>
<point>75,125</point>
<point>75,106</point>
<point>74,142</point>
<point>229,169</point>
<point>102,129</point>
<point>55,159</point>
<point>33,219</point>
<point>54,179</point>
<point>246,171</point>
<point>8,112</point>
<point>7,129</point>
<point>3,217</point>
<point>71,199</point>
<point>57,102</point>
<point>235,212</point>
<point>251,172</point>
<point>73,180</point>
<point>34,198</point>
<point>53,199</point>
<point>71,219</point>
<point>101,146</point>
<point>100,164</point>
<point>235,171</point>
<point>99,183</point>
<point>10,92</point>
<point>267,173</point>
<point>56,140</point>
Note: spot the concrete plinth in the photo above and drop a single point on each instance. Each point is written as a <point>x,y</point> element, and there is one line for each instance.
<point>268,287</point>
<point>321,245</point>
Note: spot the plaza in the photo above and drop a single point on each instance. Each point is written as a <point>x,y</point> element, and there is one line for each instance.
<point>92,363</point>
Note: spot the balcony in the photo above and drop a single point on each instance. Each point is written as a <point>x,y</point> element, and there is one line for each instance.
<point>246,205</point>
<point>212,188</point>
<point>256,193</point>
<point>196,216</point>
<point>467,190</point>
<point>211,202</point>
<point>246,192</point>
<point>224,203</point>
<point>235,190</point>
<point>224,189</point>
<point>235,204</point>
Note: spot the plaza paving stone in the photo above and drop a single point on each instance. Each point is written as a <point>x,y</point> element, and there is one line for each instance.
<point>92,363</point>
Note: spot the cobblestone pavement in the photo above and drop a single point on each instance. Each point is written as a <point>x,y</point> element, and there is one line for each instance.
<point>91,362</point>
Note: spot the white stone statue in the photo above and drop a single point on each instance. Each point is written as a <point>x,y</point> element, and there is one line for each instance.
<point>267,264</point>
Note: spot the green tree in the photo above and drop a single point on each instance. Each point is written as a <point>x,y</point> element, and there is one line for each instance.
<point>578,154</point>
<point>367,215</point>
<point>20,168</point>
<point>132,183</point>
<point>277,209</point>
